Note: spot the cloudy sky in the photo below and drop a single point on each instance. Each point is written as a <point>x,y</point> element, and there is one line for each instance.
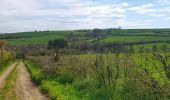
<point>28,15</point>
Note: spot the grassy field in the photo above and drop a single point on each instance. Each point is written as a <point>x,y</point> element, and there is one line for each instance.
<point>34,40</point>
<point>150,45</point>
<point>135,38</point>
<point>35,37</point>
<point>25,38</point>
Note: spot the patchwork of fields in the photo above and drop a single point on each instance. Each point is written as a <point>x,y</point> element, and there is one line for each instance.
<point>158,36</point>
<point>98,64</point>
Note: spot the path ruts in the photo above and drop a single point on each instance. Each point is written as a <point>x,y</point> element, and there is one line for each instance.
<point>25,89</point>
<point>5,75</point>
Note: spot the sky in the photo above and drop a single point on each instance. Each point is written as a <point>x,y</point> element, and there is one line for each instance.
<point>29,15</point>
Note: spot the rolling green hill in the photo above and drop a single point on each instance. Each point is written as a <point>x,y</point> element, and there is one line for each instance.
<point>25,38</point>
<point>135,38</point>
<point>103,35</point>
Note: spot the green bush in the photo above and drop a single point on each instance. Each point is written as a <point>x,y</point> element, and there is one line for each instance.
<point>20,55</point>
<point>133,91</point>
<point>83,84</point>
<point>106,93</point>
<point>65,79</point>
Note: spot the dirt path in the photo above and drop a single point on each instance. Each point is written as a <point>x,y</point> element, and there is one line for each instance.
<point>5,75</point>
<point>25,89</point>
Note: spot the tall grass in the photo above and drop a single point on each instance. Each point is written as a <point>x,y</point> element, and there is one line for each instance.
<point>120,76</point>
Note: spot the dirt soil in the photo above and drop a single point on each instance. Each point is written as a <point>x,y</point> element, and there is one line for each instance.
<point>25,89</point>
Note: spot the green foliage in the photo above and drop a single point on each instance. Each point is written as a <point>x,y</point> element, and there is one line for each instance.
<point>57,44</point>
<point>35,71</point>
<point>55,87</point>
<point>123,75</point>
<point>133,91</point>
<point>83,85</point>
<point>58,91</point>
<point>65,79</point>
<point>104,77</point>
<point>20,55</point>
<point>7,60</point>
<point>103,94</point>
<point>5,56</point>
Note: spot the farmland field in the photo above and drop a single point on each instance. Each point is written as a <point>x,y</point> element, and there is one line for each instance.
<point>135,38</point>
<point>98,64</point>
<point>85,50</point>
<point>113,36</point>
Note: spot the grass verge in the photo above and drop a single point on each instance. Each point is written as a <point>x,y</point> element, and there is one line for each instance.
<point>51,86</point>
<point>61,88</point>
<point>8,92</point>
<point>5,66</point>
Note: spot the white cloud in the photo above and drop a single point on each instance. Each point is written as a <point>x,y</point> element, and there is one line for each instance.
<point>165,10</point>
<point>70,8</point>
<point>151,10</point>
<point>165,2</point>
<point>168,18</point>
<point>33,13</point>
<point>157,15</point>
<point>23,15</point>
<point>144,9</point>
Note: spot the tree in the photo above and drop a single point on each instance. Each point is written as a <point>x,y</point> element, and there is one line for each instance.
<point>119,27</point>
<point>164,48</point>
<point>96,32</point>
<point>2,43</point>
<point>154,48</point>
<point>109,31</point>
<point>57,44</point>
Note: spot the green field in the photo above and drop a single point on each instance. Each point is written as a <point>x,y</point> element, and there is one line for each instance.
<point>125,35</point>
<point>135,38</point>
<point>35,37</point>
<point>34,40</point>
<point>99,64</point>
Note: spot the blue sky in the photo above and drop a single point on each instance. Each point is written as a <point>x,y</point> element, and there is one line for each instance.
<point>29,15</point>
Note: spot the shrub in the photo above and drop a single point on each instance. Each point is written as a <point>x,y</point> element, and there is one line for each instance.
<point>65,79</point>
